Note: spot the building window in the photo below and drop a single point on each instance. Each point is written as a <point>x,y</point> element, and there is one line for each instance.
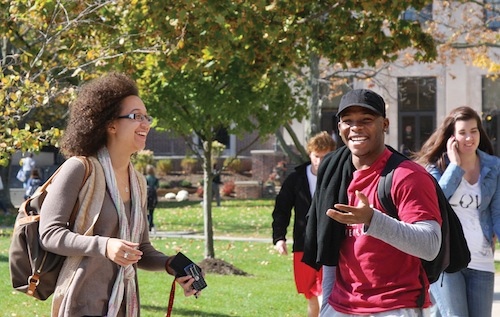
<point>421,16</point>
<point>222,135</point>
<point>417,111</point>
<point>491,110</point>
<point>492,14</point>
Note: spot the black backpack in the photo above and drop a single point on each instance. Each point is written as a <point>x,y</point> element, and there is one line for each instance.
<point>454,253</point>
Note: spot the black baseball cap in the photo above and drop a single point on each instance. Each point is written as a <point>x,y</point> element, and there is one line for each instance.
<point>365,98</point>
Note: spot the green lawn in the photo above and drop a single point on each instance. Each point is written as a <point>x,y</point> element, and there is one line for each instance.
<point>268,290</point>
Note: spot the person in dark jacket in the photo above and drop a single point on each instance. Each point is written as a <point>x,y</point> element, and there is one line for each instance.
<point>153,185</point>
<point>296,192</point>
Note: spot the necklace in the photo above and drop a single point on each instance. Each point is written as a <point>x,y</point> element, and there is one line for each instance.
<point>123,183</point>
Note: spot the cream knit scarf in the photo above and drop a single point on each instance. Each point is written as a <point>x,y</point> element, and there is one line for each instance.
<point>125,279</point>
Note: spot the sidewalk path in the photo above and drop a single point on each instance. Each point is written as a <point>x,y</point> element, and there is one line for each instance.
<point>198,235</point>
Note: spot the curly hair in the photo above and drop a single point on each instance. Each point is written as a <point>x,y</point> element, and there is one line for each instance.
<point>320,142</point>
<point>97,104</point>
<point>434,149</point>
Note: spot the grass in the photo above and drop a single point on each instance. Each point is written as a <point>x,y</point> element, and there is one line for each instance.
<point>268,291</point>
<point>250,218</point>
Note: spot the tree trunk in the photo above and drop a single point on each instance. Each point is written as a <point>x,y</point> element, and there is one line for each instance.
<point>314,125</point>
<point>207,200</point>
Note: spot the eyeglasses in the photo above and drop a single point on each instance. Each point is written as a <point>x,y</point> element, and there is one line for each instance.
<point>137,117</point>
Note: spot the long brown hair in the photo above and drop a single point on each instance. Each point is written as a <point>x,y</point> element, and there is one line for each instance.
<point>434,149</point>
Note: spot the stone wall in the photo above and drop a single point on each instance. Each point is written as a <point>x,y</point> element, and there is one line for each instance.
<point>263,163</point>
<point>248,189</point>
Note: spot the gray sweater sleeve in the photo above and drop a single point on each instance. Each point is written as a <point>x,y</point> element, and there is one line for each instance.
<point>57,207</point>
<point>421,239</point>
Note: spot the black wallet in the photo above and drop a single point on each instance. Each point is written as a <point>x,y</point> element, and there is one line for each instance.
<point>183,266</point>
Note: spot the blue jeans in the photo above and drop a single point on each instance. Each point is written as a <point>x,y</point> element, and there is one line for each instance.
<point>467,293</point>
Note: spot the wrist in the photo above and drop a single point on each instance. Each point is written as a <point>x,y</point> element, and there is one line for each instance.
<point>167,266</point>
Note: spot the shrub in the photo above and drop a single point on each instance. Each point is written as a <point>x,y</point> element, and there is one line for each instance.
<point>188,165</point>
<point>141,167</point>
<point>199,191</point>
<point>227,188</point>
<point>186,183</point>
<point>165,184</point>
<point>217,149</point>
<point>141,159</point>
<point>233,164</point>
<point>164,167</point>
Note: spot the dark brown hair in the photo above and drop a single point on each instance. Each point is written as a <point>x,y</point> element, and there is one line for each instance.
<point>97,104</point>
<point>434,149</point>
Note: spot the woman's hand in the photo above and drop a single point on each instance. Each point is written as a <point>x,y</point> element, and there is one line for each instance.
<point>123,252</point>
<point>186,282</point>
<point>452,150</point>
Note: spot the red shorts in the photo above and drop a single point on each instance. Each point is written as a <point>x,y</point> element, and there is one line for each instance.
<point>307,279</point>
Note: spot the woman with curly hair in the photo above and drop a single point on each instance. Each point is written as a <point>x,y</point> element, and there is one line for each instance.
<point>460,156</point>
<point>109,238</point>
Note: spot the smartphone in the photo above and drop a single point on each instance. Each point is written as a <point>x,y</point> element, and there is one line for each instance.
<point>183,266</point>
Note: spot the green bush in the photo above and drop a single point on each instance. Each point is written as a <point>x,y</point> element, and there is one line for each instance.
<point>141,159</point>
<point>188,165</point>
<point>165,184</point>
<point>164,167</point>
<point>185,183</point>
<point>233,164</point>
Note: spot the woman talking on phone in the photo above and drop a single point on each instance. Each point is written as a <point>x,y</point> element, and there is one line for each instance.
<point>460,156</point>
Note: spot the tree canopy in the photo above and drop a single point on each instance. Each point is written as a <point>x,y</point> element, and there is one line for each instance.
<point>201,65</point>
<point>196,61</point>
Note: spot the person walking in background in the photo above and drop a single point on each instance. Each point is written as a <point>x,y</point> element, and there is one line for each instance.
<point>153,185</point>
<point>28,164</point>
<point>296,193</point>
<point>459,155</point>
<point>378,257</point>
<point>108,122</point>
<point>216,182</point>
<point>34,181</point>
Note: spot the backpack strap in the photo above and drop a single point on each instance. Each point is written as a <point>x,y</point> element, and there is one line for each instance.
<point>385,184</point>
<point>385,198</point>
<point>88,170</point>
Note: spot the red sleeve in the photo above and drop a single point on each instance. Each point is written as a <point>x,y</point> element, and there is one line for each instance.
<point>414,193</point>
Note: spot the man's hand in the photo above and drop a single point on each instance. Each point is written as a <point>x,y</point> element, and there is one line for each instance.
<point>281,247</point>
<point>349,215</point>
